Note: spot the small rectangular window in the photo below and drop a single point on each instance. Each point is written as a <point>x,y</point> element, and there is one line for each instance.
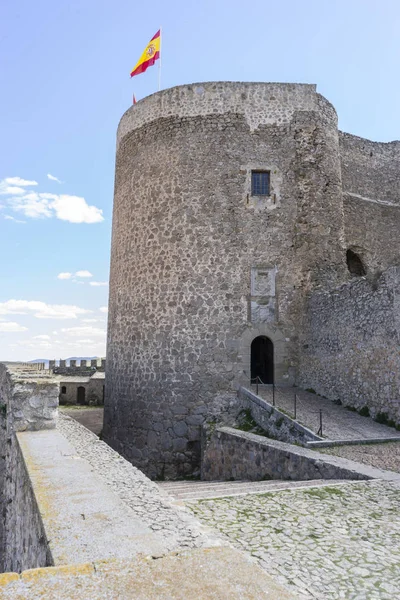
<point>64,389</point>
<point>260,183</point>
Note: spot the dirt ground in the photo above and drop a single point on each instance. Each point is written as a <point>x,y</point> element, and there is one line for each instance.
<point>89,416</point>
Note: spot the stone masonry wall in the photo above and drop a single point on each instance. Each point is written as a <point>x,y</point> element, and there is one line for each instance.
<point>232,454</point>
<point>28,402</point>
<point>371,197</point>
<point>351,344</point>
<point>191,249</point>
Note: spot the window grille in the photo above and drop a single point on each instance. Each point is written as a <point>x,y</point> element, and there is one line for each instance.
<point>260,183</point>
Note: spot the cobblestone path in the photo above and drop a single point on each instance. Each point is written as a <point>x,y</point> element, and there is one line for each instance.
<point>338,422</point>
<point>325,543</point>
<point>381,456</point>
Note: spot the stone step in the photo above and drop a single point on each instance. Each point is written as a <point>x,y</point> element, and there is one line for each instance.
<point>198,490</point>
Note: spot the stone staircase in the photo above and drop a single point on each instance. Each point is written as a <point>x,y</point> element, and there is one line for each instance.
<point>201,490</point>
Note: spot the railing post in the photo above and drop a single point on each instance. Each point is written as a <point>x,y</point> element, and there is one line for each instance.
<point>273,393</point>
<point>257,386</point>
<point>320,423</point>
<point>295,406</point>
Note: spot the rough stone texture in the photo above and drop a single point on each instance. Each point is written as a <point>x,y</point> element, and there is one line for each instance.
<point>233,454</point>
<point>28,401</point>
<point>188,241</point>
<point>351,349</point>
<point>217,574</point>
<point>332,543</point>
<point>273,421</point>
<point>371,186</point>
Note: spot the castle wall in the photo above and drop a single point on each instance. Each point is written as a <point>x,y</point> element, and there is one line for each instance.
<point>200,267</point>
<point>28,401</point>
<point>351,344</point>
<point>371,197</point>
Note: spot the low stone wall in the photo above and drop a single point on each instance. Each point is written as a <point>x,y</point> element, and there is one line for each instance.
<point>273,421</point>
<point>350,350</point>
<point>28,402</point>
<point>233,454</point>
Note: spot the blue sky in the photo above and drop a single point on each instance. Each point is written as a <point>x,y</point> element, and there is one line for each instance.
<point>64,72</point>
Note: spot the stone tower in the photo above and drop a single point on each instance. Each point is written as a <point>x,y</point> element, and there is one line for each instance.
<point>228,211</point>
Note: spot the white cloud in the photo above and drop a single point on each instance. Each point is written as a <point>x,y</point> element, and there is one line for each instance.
<point>11,190</point>
<point>98,283</point>
<point>64,276</point>
<point>53,178</point>
<point>9,326</point>
<point>41,310</point>
<point>40,205</point>
<point>19,181</point>
<point>10,218</point>
<point>92,320</point>
<point>83,274</point>
<point>41,337</point>
<point>84,331</point>
<point>103,309</point>
<point>32,205</point>
<point>75,210</point>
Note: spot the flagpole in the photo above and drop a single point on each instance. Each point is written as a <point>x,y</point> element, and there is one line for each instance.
<point>159,64</point>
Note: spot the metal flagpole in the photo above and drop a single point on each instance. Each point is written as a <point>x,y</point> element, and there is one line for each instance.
<point>159,64</point>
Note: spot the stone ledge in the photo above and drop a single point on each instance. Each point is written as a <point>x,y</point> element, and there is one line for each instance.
<point>82,518</point>
<point>217,573</point>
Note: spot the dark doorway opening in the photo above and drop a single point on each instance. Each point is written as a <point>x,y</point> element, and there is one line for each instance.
<point>262,360</point>
<point>81,395</point>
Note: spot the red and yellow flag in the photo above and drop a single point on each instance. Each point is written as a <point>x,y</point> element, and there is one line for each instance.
<point>150,55</point>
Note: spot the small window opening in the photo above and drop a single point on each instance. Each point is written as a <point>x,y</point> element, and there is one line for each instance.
<point>354,264</point>
<point>260,183</point>
<point>64,389</point>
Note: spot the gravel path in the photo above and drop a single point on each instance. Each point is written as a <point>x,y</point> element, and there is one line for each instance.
<point>327,543</point>
<point>175,525</point>
<point>381,456</point>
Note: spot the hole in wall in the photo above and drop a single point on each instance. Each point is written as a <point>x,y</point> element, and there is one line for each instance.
<point>355,264</point>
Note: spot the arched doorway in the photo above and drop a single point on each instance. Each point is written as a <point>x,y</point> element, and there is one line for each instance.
<point>262,360</point>
<point>80,397</point>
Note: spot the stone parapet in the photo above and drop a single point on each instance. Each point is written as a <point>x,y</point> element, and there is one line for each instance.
<point>234,454</point>
<point>28,397</point>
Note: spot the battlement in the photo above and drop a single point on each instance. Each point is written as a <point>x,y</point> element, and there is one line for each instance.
<point>260,103</point>
<point>65,367</point>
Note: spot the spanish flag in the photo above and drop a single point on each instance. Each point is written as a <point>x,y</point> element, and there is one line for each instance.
<point>150,55</point>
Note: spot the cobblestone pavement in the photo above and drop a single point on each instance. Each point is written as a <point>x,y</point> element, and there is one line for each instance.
<point>325,543</point>
<point>338,423</point>
<point>381,456</point>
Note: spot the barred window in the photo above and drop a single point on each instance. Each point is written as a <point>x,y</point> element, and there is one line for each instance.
<point>260,183</point>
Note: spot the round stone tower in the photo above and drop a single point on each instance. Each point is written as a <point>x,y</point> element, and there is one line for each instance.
<point>227,212</point>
